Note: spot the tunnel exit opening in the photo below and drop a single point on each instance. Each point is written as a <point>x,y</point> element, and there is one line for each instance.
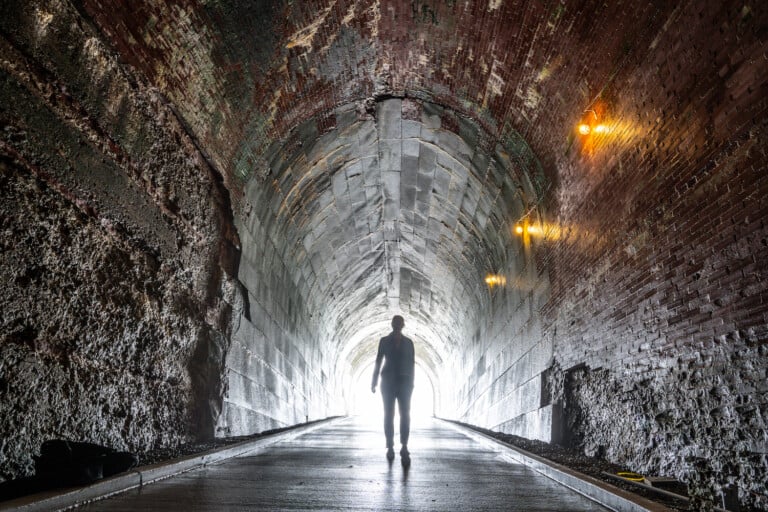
<point>368,406</point>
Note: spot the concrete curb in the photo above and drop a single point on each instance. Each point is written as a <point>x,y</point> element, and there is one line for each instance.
<point>601,492</point>
<point>62,499</point>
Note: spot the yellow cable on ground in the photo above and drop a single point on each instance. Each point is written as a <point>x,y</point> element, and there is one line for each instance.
<point>628,475</point>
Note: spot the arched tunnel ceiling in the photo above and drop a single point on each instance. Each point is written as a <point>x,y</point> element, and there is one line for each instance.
<point>390,212</point>
<point>323,118</point>
<point>244,74</point>
<point>326,119</point>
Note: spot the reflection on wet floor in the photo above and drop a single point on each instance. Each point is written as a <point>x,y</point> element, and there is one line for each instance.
<point>343,467</point>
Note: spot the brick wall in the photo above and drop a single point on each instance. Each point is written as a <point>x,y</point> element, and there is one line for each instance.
<point>670,319</point>
<point>658,287</point>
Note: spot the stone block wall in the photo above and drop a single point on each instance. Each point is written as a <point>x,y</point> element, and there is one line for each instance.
<point>503,361</point>
<point>457,193</point>
<point>372,211</point>
<point>275,371</point>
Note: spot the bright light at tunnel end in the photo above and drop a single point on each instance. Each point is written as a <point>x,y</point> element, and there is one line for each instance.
<point>368,406</point>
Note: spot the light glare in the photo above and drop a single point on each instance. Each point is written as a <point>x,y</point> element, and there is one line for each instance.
<point>601,128</point>
<point>495,280</point>
<point>533,230</point>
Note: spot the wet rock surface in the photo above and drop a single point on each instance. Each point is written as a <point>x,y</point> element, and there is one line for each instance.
<point>701,425</point>
<point>116,251</point>
<point>94,335</point>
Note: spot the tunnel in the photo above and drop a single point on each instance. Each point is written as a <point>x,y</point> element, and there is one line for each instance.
<point>211,210</point>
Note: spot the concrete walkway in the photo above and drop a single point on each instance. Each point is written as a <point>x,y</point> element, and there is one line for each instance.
<point>343,467</point>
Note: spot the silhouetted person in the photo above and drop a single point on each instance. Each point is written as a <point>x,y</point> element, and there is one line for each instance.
<point>396,384</point>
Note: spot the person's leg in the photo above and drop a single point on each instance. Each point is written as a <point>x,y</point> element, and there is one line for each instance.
<point>404,405</point>
<point>388,396</point>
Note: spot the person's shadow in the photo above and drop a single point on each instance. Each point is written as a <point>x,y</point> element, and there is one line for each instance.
<point>406,463</point>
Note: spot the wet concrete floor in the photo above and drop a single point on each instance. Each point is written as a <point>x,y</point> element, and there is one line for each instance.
<point>343,467</point>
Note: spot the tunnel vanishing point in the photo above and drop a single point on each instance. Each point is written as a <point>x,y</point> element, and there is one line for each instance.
<point>211,209</point>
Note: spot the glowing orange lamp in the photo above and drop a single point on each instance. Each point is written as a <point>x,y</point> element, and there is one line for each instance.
<point>591,123</point>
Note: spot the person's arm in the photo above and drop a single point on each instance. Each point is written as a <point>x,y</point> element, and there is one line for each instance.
<point>377,366</point>
<point>411,361</point>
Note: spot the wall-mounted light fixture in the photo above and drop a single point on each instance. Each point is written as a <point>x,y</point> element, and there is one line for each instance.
<point>592,124</point>
<point>495,280</point>
<point>595,128</point>
<point>527,229</point>
<point>541,230</point>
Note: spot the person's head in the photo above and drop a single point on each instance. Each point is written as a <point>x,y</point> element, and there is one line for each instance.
<point>397,323</point>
